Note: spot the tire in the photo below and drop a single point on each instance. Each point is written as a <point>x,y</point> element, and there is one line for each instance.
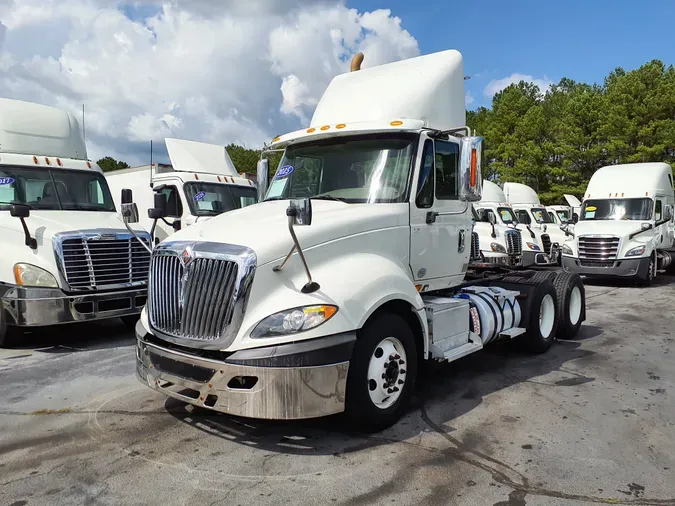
<point>541,320</point>
<point>650,274</point>
<point>365,382</point>
<point>571,304</point>
<point>130,320</point>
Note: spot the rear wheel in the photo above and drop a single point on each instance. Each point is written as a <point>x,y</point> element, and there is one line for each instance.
<point>571,296</point>
<point>542,322</point>
<point>382,373</point>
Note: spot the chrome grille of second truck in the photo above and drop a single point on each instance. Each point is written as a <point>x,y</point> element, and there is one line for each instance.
<point>192,301</point>
<point>475,246</point>
<point>514,243</point>
<point>104,263</point>
<point>601,250</point>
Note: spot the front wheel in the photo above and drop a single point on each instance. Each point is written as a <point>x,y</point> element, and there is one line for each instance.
<point>649,276</point>
<point>382,373</point>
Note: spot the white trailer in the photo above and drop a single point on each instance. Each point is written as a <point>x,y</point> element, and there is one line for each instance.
<point>329,294</point>
<point>626,227</point>
<point>201,182</point>
<point>66,254</point>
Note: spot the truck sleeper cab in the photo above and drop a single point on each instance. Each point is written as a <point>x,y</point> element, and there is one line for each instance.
<point>626,226</point>
<point>67,256</point>
<point>326,296</point>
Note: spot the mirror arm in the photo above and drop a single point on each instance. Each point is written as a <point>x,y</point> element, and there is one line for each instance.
<point>494,234</point>
<point>311,286</point>
<point>126,224</point>
<point>531,233</point>
<point>31,242</point>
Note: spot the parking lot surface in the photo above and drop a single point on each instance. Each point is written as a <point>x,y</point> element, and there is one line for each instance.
<point>590,422</point>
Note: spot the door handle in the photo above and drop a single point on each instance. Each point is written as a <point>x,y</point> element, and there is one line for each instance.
<point>460,246</point>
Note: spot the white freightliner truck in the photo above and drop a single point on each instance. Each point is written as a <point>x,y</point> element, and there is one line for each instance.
<point>528,208</point>
<point>625,228</point>
<point>328,295</point>
<point>66,254</point>
<point>495,244</point>
<point>536,244</point>
<point>201,182</point>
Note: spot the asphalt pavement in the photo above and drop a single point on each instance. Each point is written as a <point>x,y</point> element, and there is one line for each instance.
<point>592,421</point>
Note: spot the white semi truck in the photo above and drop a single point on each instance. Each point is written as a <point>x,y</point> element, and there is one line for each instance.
<point>201,182</point>
<point>626,224</point>
<point>330,294</point>
<point>66,254</point>
<point>536,243</point>
<point>495,244</point>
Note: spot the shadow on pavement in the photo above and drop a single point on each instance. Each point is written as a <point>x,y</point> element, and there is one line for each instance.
<point>450,390</point>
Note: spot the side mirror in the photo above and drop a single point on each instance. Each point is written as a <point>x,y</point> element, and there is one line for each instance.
<point>667,213</point>
<point>127,196</point>
<point>130,213</point>
<point>263,170</point>
<point>301,212</point>
<point>159,208</point>
<point>575,218</point>
<point>176,225</point>
<point>19,211</point>
<point>646,226</point>
<point>471,180</point>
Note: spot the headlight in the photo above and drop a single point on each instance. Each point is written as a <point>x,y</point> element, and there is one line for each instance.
<point>30,275</point>
<point>497,248</point>
<point>566,250</point>
<point>532,246</point>
<point>293,320</point>
<point>636,251</point>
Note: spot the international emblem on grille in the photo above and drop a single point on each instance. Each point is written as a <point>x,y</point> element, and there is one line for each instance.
<point>186,256</point>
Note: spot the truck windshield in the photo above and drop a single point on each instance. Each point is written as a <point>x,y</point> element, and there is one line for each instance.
<point>564,216</point>
<point>54,189</point>
<point>540,215</point>
<point>211,199</point>
<point>617,209</point>
<point>507,215</point>
<point>357,169</point>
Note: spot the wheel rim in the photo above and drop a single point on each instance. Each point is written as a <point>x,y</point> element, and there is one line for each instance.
<point>546,316</point>
<point>575,305</point>
<point>387,372</point>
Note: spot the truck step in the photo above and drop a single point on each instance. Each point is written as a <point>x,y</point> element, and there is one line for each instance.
<point>462,351</point>
<point>512,332</point>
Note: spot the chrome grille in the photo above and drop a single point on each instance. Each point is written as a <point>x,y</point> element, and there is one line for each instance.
<point>546,242</point>
<point>514,243</point>
<point>475,246</point>
<point>599,249</point>
<point>193,301</point>
<point>91,262</point>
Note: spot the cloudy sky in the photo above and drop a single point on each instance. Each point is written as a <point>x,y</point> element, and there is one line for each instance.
<point>246,70</point>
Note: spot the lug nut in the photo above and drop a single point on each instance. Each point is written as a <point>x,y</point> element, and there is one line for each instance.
<point>390,391</point>
<point>395,389</point>
<point>397,356</point>
<point>384,376</point>
<point>400,382</point>
<point>392,357</point>
<point>402,371</point>
<point>401,362</point>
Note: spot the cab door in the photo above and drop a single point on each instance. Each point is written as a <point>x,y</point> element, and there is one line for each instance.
<point>440,224</point>
<point>174,210</point>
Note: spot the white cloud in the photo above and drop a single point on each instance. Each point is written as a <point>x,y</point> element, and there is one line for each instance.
<point>226,71</point>
<point>495,86</point>
<point>468,99</point>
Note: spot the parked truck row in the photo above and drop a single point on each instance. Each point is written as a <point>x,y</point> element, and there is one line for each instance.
<point>375,248</point>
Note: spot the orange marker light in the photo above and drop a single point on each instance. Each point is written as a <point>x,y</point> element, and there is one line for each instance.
<point>47,161</point>
<point>58,162</point>
<point>474,167</point>
<point>311,130</point>
<point>325,127</point>
<point>276,139</point>
<point>219,180</point>
<point>196,176</point>
<point>89,164</point>
<point>396,123</point>
<point>35,160</point>
<point>340,126</point>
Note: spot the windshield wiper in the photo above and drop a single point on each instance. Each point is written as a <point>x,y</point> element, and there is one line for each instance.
<point>275,198</point>
<point>328,197</point>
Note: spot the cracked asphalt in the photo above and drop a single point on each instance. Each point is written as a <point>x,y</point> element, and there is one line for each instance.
<point>590,422</point>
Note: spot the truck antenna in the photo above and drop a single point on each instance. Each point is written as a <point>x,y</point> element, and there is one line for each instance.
<point>84,135</point>
<point>150,163</point>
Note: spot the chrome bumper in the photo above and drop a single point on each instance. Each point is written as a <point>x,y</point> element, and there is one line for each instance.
<point>278,393</point>
<point>33,307</point>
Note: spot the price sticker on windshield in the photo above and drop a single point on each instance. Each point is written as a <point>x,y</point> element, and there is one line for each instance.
<point>590,212</point>
<point>6,181</point>
<point>199,196</point>
<point>284,171</point>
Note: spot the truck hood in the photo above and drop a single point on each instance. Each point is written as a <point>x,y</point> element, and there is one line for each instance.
<point>263,227</point>
<point>616,228</point>
<point>43,225</point>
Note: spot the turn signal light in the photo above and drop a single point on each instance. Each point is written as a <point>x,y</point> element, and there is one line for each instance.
<point>474,167</point>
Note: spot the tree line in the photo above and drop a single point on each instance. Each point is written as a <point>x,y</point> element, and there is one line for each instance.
<point>554,140</point>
